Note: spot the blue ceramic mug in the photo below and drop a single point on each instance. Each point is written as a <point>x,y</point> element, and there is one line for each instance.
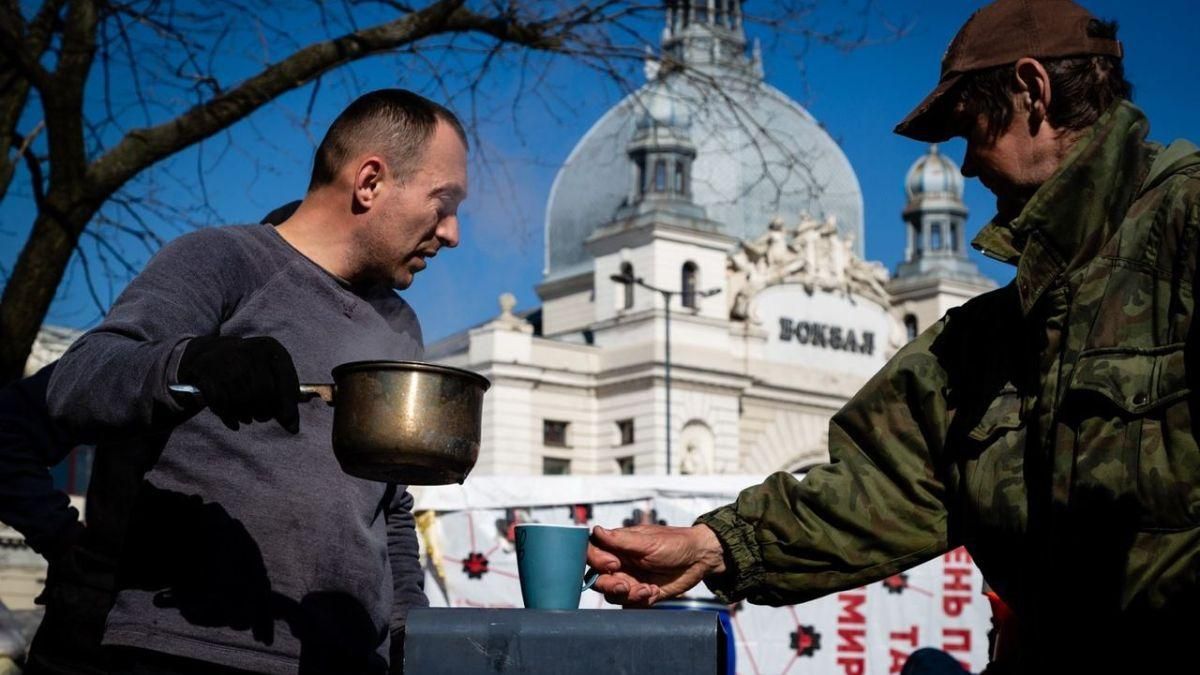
<point>550,561</point>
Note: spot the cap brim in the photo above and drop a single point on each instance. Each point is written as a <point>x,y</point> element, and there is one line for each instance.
<point>931,120</point>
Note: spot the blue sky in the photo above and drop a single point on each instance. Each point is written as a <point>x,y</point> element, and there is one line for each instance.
<point>858,96</point>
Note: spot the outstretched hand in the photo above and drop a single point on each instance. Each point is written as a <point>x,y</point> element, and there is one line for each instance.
<point>644,564</point>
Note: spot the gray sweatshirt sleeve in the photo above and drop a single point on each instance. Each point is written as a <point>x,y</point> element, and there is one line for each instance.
<point>115,377</point>
<point>408,580</point>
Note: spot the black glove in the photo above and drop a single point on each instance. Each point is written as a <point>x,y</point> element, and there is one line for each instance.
<point>243,379</point>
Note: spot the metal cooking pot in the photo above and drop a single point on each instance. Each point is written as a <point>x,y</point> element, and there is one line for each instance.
<point>402,421</point>
<point>407,422</point>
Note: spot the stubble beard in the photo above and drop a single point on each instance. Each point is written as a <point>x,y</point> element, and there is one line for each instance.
<point>368,256</point>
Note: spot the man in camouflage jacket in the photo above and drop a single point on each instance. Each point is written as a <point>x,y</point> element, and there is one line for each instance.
<point>1047,426</point>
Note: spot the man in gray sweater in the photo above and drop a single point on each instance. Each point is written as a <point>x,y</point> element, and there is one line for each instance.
<point>232,538</point>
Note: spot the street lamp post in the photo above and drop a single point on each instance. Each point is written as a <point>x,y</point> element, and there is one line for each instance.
<point>666,295</point>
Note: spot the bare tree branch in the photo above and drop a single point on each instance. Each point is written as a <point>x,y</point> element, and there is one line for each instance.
<point>143,147</point>
<point>16,49</point>
<point>189,71</point>
<point>36,181</point>
<point>14,81</point>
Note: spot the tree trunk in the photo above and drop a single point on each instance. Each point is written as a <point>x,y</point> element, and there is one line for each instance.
<point>34,280</point>
<point>79,187</point>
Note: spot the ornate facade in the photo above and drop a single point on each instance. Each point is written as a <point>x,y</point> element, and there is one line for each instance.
<point>706,307</point>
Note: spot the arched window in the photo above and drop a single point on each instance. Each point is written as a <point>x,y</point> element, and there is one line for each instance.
<point>660,176</point>
<point>935,237</point>
<point>918,241</point>
<point>910,326</point>
<point>953,236</point>
<point>627,272</point>
<point>688,294</point>
<point>680,178</point>
<point>641,176</point>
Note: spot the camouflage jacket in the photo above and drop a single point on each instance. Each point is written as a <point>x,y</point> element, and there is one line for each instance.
<point>1047,426</point>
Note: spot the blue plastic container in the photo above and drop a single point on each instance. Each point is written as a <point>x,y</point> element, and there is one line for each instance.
<point>710,605</point>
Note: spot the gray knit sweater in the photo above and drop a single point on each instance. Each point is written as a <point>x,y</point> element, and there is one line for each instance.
<point>246,548</point>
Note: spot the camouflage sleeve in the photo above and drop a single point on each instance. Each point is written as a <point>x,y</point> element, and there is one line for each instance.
<point>877,508</point>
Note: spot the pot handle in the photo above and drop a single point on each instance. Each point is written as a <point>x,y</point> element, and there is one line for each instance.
<point>322,391</point>
<point>307,392</point>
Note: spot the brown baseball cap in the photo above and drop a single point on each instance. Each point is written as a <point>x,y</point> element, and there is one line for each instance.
<point>1004,32</point>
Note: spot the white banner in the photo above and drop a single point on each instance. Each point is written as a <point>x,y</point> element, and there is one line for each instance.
<point>467,551</point>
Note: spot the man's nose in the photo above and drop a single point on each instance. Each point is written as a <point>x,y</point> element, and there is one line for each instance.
<point>447,231</point>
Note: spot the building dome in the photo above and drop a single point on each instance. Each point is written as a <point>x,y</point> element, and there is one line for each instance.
<point>934,175</point>
<point>659,108</point>
<point>758,154</point>
<point>936,220</point>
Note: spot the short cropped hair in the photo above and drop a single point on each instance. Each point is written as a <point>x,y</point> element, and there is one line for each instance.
<point>396,123</point>
<point>1084,88</point>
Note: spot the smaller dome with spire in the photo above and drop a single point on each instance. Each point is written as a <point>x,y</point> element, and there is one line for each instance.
<point>934,175</point>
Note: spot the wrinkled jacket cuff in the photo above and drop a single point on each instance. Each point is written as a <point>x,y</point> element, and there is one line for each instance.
<point>743,557</point>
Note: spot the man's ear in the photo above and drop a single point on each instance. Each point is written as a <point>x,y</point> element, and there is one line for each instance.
<point>368,181</point>
<point>1033,90</point>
